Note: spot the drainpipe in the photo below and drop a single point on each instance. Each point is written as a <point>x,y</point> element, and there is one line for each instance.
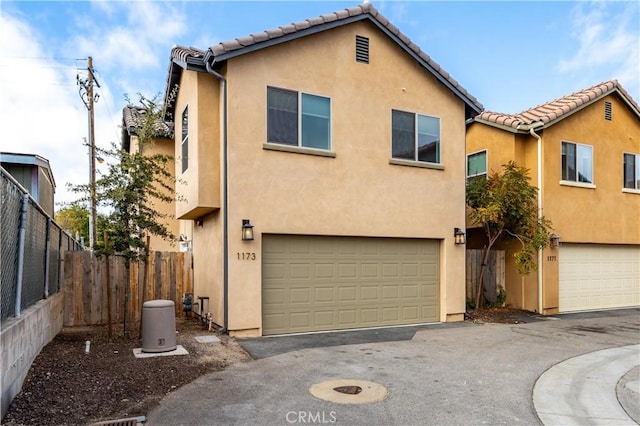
<point>225,206</point>
<point>533,133</point>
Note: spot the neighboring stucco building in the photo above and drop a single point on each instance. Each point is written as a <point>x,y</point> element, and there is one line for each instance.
<point>132,119</point>
<point>583,152</point>
<point>34,173</point>
<point>343,144</point>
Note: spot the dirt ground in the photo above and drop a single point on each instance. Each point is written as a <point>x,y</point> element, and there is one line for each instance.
<point>67,386</point>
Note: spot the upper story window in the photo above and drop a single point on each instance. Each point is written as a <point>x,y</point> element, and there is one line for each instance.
<point>298,119</point>
<point>477,165</point>
<point>185,139</point>
<point>415,137</point>
<point>631,171</point>
<point>577,162</point>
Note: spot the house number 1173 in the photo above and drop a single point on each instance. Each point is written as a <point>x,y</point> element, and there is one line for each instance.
<point>246,256</point>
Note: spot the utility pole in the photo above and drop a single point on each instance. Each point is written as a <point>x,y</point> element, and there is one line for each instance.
<point>88,97</point>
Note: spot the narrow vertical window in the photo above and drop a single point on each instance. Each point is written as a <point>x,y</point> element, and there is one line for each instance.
<point>282,116</point>
<point>185,139</point>
<point>362,49</point>
<point>402,135</point>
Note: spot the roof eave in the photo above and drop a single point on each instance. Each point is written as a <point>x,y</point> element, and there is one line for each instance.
<point>471,106</point>
<point>176,67</point>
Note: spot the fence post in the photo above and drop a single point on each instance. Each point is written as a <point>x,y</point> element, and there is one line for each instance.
<point>23,228</point>
<point>47,243</point>
<point>60,260</point>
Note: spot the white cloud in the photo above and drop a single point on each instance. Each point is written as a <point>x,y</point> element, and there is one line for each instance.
<point>42,113</point>
<point>132,35</point>
<point>129,42</point>
<point>608,43</point>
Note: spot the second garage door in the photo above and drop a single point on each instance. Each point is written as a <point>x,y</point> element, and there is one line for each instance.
<point>596,277</point>
<point>313,283</point>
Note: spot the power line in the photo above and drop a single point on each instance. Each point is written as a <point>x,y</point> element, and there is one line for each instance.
<point>115,126</point>
<point>43,58</point>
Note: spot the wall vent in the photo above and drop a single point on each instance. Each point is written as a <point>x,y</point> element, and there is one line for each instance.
<point>607,111</point>
<point>362,49</point>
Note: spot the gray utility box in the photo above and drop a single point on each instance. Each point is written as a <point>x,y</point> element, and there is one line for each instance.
<point>158,326</point>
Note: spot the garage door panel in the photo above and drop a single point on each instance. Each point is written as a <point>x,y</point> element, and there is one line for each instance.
<point>326,283</point>
<point>390,314</point>
<point>596,277</point>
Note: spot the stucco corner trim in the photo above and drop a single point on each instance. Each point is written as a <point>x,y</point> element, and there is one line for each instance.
<point>631,191</point>
<point>421,164</point>
<point>577,184</point>
<point>298,150</point>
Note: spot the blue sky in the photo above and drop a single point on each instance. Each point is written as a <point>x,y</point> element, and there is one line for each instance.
<point>509,55</point>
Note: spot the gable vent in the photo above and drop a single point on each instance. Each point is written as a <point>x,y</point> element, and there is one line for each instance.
<point>607,111</point>
<point>362,49</point>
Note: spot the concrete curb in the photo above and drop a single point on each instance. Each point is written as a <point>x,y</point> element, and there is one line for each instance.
<point>582,390</point>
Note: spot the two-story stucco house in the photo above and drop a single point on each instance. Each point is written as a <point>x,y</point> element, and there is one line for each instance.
<point>163,144</point>
<point>583,153</point>
<point>322,165</point>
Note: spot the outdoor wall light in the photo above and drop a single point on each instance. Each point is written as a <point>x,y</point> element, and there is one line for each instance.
<point>458,235</point>
<point>247,230</point>
<point>555,240</point>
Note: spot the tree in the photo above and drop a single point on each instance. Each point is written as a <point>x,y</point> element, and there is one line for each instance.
<point>75,220</point>
<point>505,206</point>
<point>134,183</point>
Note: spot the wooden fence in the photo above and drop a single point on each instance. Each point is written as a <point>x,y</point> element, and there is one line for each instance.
<point>169,276</point>
<point>493,276</point>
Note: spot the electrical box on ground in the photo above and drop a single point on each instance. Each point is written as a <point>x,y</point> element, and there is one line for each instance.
<point>158,326</point>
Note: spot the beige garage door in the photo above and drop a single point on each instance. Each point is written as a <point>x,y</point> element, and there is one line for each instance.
<point>596,277</point>
<point>315,283</point>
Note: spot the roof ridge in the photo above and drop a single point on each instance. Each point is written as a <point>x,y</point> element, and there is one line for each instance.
<point>227,47</point>
<point>550,111</point>
<point>271,33</point>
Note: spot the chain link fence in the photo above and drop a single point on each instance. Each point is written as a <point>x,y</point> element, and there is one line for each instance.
<point>32,250</point>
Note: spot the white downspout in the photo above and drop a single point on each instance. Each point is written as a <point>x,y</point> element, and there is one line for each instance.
<point>535,135</point>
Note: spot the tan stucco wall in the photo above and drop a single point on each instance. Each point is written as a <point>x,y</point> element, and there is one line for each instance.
<point>164,147</point>
<point>199,186</point>
<point>604,214</point>
<point>500,145</point>
<point>208,263</point>
<point>357,193</point>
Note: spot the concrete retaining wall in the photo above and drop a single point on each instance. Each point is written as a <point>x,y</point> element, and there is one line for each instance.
<point>21,340</point>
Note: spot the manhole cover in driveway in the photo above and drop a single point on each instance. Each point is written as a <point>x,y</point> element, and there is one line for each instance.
<point>344,391</point>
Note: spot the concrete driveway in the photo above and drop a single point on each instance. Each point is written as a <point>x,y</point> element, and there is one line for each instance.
<point>450,375</point>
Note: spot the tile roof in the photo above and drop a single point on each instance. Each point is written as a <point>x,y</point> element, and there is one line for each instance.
<point>240,45</point>
<point>550,112</point>
<point>133,118</point>
<point>182,54</point>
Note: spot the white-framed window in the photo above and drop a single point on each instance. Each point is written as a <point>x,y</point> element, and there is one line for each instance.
<point>298,119</point>
<point>415,137</point>
<point>577,162</point>
<point>477,165</point>
<point>185,139</point>
<point>631,171</point>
